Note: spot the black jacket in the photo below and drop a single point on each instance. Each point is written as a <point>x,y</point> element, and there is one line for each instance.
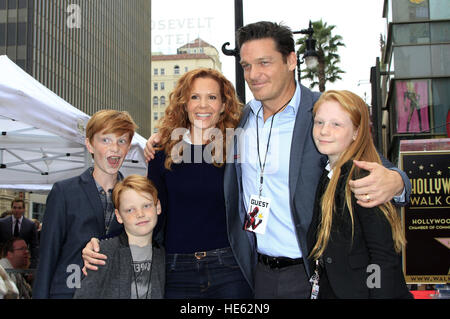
<point>347,261</point>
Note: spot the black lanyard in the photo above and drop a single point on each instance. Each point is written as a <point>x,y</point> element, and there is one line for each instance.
<point>149,276</point>
<point>262,167</point>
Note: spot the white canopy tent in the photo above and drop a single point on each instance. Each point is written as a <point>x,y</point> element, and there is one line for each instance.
<point>42,136</point>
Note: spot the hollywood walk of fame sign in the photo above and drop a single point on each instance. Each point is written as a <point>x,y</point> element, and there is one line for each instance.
<point>426,220</point>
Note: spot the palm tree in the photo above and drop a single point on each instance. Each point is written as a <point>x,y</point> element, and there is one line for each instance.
<point>327,47</point>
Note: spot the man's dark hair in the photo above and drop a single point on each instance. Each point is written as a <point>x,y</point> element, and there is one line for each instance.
<point>282,35</point>
<point>8,246</point>
<point>18,200</point>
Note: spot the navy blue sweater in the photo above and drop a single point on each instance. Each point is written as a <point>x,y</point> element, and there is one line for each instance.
<point>193,205</point>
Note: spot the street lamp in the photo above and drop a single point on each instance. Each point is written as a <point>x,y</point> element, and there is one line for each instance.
<point>238,22</point>
<point>310,57</point>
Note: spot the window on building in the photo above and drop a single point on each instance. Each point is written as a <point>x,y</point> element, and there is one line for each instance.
<point>22,52</point>
<point>12,33</point>
<point>420,33</point>
<point>176,69</point>
<point>155,86</point>
<point>406,10</point>
<point>22,4</point>
<point>406,58</point>
<point>162,86</point>
<point>415,33</point>
<point>186,69</point>
<point>439,9</point>
<point>155,116</point>
<point>21,33</point>
<point>155,100</point>
<point>412,109</point>
<point>441,104</point>
<point>2,4</point>
<point>163,71</point>
<point>155,71</point>
<point>440,32</point>
<point>2,34</point>
<point>12,4</point>
<point>440,55</point>
<point>163,100</point>
<point>21,63</point>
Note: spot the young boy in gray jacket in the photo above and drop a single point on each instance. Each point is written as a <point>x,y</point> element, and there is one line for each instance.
<point>135,267</point>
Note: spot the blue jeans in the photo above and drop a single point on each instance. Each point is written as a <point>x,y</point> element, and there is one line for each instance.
<point>214,274</point>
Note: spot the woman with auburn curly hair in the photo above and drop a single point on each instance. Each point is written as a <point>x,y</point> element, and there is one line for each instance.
<point>178,120</point>
<point>188,171</point>
<point>355,251</point>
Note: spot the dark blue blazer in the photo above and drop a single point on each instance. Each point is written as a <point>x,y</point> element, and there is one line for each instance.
<point>74,214</point>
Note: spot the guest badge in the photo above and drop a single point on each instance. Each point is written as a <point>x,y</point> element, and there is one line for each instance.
<point>256,219</point>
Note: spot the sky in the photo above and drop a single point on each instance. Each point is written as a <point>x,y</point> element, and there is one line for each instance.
<point>360,23</point>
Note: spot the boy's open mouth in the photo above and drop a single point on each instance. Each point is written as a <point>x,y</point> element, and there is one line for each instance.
<point>113,160</point>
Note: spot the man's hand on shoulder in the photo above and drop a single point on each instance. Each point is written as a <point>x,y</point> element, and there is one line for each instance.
<point>91,256</point>
<point>379,187</point>
<point>149,151</point>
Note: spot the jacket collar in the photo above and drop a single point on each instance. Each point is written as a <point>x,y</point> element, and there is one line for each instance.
<point>91,192</point>
<point>345,169</point>
<point>302,131</point>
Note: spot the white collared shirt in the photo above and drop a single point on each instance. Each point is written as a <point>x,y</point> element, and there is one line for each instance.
<point>14,223</point>
<point>280,237</point>
<point>330,171</point>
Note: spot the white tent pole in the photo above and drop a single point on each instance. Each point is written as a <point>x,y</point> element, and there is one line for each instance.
<point>50,158</point>
<point>23,161</point>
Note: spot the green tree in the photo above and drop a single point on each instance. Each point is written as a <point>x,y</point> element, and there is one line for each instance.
<point>327,46</point>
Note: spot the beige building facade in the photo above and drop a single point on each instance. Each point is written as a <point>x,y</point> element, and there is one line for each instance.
<point>167,69</point>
